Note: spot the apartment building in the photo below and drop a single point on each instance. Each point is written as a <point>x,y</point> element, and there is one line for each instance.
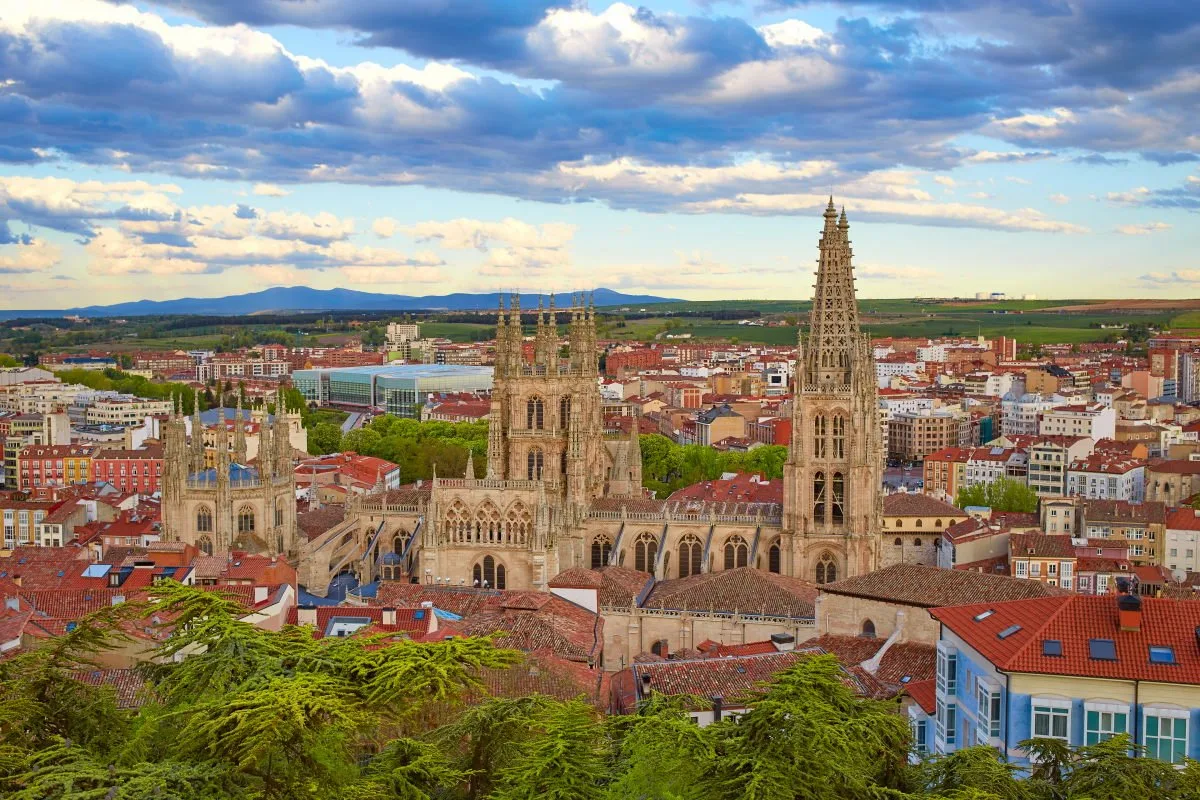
<point>717,423</point>
<point>1049,458</point>
<point>1079,669</point>
<point>135,471</point>
<point>1042,557</point>
<point>43,466</point>
<point>914,435</point>
<point>1093,420</point>
<point>1107,476</point>
<point>126,411</point>
<point>1021,416</point>
<point>1140,526</point>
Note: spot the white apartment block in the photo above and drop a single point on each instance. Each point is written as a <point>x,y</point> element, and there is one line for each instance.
<point>886,370</point>
<point>1094,421</point>
<point>1111,480</point>
<point>994,384</point>
<point>126,412</point>
<point>400,332</point>
<point>1020,416</point>
<point>932,352</point>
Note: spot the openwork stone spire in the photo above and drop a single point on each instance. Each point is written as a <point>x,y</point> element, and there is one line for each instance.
<point>833,337</point>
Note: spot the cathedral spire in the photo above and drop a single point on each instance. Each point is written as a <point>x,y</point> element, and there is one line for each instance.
<point>469,472</point>
<point>833,329</point>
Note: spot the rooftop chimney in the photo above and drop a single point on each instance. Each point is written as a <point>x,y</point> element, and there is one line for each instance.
<point>260,594</point>
<point>645,684</point>
<point>1129,608</point>
<point>388,616</point>
<point>431,620</point>
<point>306,615</point>
<point>718,706</point>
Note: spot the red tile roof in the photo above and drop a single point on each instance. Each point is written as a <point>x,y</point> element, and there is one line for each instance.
<point>1040,545</point>
<point>905,662</point>
<point>1074,620</point>
<point>924,694</point>
<point>577,578</point>
<point>929,587</point>
<point>743,488</point>
<point>914,504</point>
<point>744,590</point>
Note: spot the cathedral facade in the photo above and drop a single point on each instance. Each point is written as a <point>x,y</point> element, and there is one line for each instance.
<point>219,502</point>
<point>559,494</point>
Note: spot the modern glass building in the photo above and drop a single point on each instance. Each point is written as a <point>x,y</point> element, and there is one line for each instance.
<point>399,389</point>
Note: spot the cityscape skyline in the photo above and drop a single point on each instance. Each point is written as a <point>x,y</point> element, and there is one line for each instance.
<point>675,149</point>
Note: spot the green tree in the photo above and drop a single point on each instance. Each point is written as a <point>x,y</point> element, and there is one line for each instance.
<point>8,362</point>
<point>1003,494</point>
<point>325,438</point>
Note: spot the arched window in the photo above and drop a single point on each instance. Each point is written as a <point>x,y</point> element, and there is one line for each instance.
<point>487,526</point>
<point>562,464</point>
<point>279,513</point>
<point>838,505</point>
<point>920,523</point>
<point>820,425</point>
<point>839,436</point>
<point>564,412</point>
<point>899,542</point>
<point>645,552</point>
<point>774,557</point>
<point>205,545</point>
<point>601,549</point>
<point>819,497</point>
<point>690,554</point>
<point>488,574</point>
<point>400,541</point>
<point>535,464</point>
<point>245,520</point>
<point>204,520</point>
<point>899,523</point>
<point>737,552</point>
<point>938,524</point>
<point>868,629</point>
<point>535,414</point>
<point>456,522</point>
<point>916,542</point>
<point>826,569</point>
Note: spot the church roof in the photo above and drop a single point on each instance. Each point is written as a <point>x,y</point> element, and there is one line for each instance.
<point>641,505</point>
<point>744,590</point>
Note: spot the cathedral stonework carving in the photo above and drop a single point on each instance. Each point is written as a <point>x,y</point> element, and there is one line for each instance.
<point>231,505</point>
<point>559,494</point>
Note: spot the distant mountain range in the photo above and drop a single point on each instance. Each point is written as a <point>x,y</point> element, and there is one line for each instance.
<point>302,298</point>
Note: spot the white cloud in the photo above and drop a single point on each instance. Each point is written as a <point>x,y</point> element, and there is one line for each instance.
<point>1166,279</point>
<point>944,180</point>
<point>1129,197</point>
<point>1143,228</point>
<point>1015,179</point>
<point>678,180</point>
<point>980,196</point>
<point>385,227</point>
<point>37,256</point>
<point>792,33</point>
<point>1059,199</point>
<point>918,211</point>
<point>270,190</point>
<point>323,227</point>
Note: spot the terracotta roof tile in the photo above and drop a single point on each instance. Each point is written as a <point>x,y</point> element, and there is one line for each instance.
<point>915,504</point>
<point>930,587</point>
<point>1040,545</point>
<point>744,590</point>
<point>577,578</point>
<point>620,586</point>
<point>924,694</point>
<point>850,650</point>
<point>905,662</point>
<point>1074,620</point>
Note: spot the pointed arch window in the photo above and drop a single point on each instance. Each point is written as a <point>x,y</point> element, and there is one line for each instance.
<point>737,552</point>
<point>535,464</point>
<point>868,629</point>
<point>839,437</point>
<point>564,412</point>
<point>204,520</point>
<point>205,545</point>
<point>690,555</point>
<point>535,414</point>
<point>774,558</point>
<point>645,552</point>
<point>826,571</point>
<point>820,431</point>
<point>819,499</point>
<point>279,513</point>
<point>837,505</point>
<point>488,574</point>
<point>400,541</point>
<point>245,520</point>
<point>601,550</point>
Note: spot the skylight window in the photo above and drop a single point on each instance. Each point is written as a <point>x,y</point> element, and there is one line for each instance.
<point>1161,654</point>
<point>982,615</point>
<point>1102,649</point>
<point>1007,632</point>
<point>1051,647</point>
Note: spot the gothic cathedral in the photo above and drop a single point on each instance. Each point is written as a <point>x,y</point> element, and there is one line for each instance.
<point>559,494</point>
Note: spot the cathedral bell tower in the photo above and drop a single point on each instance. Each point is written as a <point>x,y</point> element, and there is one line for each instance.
<point>833,501</point>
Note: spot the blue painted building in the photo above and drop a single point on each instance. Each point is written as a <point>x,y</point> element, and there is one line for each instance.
<point>1077,668</point>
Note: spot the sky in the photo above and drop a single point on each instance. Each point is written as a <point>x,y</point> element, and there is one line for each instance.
<point>683,148</point>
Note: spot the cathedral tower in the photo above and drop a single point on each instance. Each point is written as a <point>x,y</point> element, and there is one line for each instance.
<point>833,501</point>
